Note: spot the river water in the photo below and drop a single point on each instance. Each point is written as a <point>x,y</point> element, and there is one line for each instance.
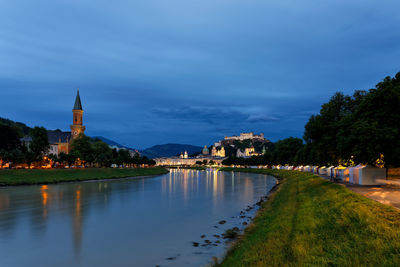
<point>127,222</point>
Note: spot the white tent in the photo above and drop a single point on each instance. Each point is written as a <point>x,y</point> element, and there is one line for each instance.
<point>322,170</point>
<point>369,175</point>
<point>329,171</point>
<point>339,172</point>
<point>354,173</point>
<point>315,169</point>
<point>307,168</point>
<point>299,168</point>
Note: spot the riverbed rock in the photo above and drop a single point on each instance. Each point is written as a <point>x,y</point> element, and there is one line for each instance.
<point>195,244</point>
<point>244,223</point>
<point>217,236</point>
<point>231,233</point>
<point>202,236</point>
<point>222,222</point>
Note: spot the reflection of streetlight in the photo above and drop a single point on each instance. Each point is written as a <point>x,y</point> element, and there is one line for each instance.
<point>45,195</point>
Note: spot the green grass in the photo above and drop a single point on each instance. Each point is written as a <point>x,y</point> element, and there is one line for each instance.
<point>309,221</point>
<point>29,177</point>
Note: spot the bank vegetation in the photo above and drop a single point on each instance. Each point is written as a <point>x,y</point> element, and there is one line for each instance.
<point>309,221</point>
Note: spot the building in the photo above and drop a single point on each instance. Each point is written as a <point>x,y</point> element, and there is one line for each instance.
<point>184,160</point>
<point>77,127</point>
<point>60,142</point>
<point>184,155</point>
<point>245,136</point>
<point>218,152</point>
<point>248,152</point>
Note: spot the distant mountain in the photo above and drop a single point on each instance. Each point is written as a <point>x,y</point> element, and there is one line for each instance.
<point>109,142</point>
<point>169,150</point>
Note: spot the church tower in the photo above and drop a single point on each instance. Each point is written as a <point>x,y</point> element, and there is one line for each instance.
<point>77,128</point>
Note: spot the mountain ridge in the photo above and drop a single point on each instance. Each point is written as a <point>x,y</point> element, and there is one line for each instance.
<point>169,150</point>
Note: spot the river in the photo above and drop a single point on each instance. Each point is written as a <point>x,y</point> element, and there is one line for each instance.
<point>127,222</point>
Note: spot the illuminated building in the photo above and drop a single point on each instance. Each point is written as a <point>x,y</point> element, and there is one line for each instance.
<point>61,141</point>
<point>248,152</point>
<point>205,151</point>
<point>218,153</point>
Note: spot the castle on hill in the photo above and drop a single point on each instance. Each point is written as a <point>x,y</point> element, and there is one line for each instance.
<point>231,142</point>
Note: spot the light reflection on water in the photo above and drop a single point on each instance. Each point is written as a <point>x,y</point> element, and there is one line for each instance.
<point>134,222</point>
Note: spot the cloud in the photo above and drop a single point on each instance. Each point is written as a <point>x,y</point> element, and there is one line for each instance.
<point>160,71</point>
<point>261,118</point>
<point>212,115</point>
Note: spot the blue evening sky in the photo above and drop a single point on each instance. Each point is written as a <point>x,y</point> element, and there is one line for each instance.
<point>189,71</point>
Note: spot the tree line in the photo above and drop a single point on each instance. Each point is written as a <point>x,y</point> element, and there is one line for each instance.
<point>34,150</point>
<point>349,129</point>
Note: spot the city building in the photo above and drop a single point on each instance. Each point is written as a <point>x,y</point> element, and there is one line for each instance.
<point>184,160</point>
<point>218,152</point>
<point>205,151</point>
<point>248,152</point>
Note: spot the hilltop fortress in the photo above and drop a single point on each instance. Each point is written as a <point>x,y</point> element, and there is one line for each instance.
<point>230,140</point>
<point>244,145</point>
<point>244,136</point>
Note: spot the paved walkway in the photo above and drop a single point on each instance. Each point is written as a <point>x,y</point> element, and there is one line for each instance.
<point>386,194</point>
<point>382,193</point>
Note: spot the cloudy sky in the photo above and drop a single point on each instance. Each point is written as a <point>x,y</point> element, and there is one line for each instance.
<point>189,71</point>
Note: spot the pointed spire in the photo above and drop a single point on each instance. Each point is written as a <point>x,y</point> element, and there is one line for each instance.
<point>78,105</point>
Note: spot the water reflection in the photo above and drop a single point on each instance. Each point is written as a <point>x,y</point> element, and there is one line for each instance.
<point>161,215</point>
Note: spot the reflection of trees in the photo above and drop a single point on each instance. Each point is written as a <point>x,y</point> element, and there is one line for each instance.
<point>39,203</point>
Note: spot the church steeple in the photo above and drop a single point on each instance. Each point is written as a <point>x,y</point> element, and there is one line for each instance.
<point>77,127</point>
<point>78,105</point>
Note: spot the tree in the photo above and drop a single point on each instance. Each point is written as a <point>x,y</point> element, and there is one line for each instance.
<point>68,158</point>
<point>81,148</point>
<point>102,153</point>
<point>376,124</point>
<point>321,130</point>
<point>286,150</point>
<point>123,157</point>
<point>9,138</point>
<point>40,143</point>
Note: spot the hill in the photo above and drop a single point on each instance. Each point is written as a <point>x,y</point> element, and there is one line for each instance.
<point>22,128</point>
<point>109,142</point>
<point>169,150</point>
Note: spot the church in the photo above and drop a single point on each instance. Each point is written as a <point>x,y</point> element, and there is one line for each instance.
<point>61,141</point>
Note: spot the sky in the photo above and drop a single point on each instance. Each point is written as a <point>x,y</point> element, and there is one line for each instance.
<point>189,71</point>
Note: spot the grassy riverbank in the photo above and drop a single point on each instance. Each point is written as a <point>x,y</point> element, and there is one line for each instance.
<point>29,177</point>
<point>311,221</point>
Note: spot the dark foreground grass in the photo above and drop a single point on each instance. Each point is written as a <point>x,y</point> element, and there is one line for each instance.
<point>29,177</point>
<point>309,221</point>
